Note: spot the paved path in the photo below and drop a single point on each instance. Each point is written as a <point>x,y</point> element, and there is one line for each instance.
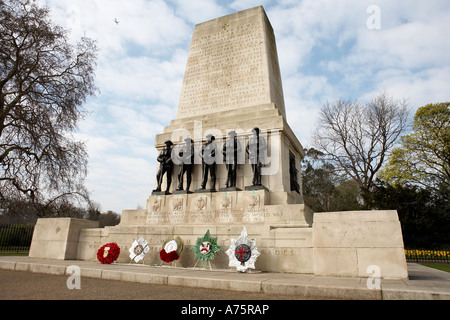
<point>17,285</point>
<point>28,278</point>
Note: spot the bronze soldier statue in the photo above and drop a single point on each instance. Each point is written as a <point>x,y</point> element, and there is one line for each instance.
<point>231,149</point>
<point>186,155</point>
<point>256,149</point>
<point>208,155</point>
<point>165,166</point>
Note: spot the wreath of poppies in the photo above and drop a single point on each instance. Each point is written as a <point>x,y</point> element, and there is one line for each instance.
<point>171,249</point>
<point>168,257</point>
<point>108,253</point>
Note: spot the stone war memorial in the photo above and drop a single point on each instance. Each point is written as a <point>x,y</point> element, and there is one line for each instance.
<point>229,169</point>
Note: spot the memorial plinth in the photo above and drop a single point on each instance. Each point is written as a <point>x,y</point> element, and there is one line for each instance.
<point>231,86</point>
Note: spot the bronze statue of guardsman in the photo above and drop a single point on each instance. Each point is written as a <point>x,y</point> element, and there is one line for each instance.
<point>186,155</point>
<point>256,149</point>
<point>231,150</point>
<point>208,155</point>
<point>165,166</point>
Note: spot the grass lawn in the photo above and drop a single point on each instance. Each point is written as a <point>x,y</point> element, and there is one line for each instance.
<point>13,253</point>
<point>440,266</point>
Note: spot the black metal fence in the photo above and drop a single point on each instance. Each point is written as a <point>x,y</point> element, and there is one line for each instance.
<point>426,255</point>
<point>16,237</point>
<point>427,247</point>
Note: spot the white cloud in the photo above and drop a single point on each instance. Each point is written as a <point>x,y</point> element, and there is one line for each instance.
<point>143,78</point>
<point>151,25</point>
<point>121,182</point>
<point>418,88</point>
<point>247,4</point>
<point>411,45</point>
<point>121,156</point>
<point>327,52</point>
<point>304,95</point>
<point>293,53</point>
<point>198,11</point>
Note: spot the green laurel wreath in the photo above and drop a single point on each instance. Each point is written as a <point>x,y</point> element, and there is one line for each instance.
<point>212,251</point>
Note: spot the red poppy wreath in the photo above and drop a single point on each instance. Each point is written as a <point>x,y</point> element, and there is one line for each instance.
<point>168,257</point>
<point>108,253</point>
<point>171,249</point>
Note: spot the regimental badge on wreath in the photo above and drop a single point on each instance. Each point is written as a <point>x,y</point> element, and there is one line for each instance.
<point>205,248</point>
<point>242,252</point>
<point>138,250</point>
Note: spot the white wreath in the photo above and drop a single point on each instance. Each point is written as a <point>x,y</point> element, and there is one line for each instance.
<point>138,250</point>
<point>231,252</point>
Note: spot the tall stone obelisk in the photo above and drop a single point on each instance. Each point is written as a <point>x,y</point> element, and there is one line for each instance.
<point>232,64</point>
<point>232,82</point>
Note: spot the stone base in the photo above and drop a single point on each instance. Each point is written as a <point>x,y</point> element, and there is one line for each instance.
<point>259,187</point>
<point>338,244</point>
<point>205,190</point>
<point>348,243</point>
<point>181,192</point>
<point>57,238</point>
<point>229,189</point>
<point>282,249</point>
<point>160,193</point>
<point>289,237</point>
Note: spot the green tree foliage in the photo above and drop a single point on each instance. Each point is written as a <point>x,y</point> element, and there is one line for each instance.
<point>109,218</point>
<point>323,188</point>
<point>416,179</point>
<point>424,156</point>
<point>423,214</point>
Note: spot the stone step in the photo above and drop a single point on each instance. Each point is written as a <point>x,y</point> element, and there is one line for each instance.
<point>252,109</point>
<point>229,121</point>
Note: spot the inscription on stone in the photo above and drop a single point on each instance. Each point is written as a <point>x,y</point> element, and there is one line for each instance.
<point>208,216</point>
<point>225,70</point>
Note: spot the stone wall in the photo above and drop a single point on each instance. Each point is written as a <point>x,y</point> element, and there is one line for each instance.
<point>57,238</point>
<point>347,243</point>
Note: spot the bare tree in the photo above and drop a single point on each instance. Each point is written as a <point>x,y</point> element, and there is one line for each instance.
<point>358,137</point>
<point>44,80</point>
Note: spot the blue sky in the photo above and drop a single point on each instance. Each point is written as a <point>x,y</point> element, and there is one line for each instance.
<point>327,50</point>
